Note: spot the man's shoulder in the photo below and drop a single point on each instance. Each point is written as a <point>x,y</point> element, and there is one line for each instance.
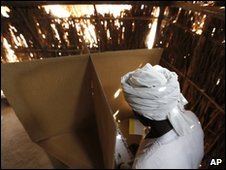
<point>192,115</point>
<point>197,124</point>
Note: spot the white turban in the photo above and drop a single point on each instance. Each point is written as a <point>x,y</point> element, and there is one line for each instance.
<point>154,92</point>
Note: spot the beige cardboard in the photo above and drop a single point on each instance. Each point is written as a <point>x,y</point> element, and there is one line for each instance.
<point>53,100</point>
<point>105,122</point>
<point>77,151</point>
<point>52,97</point>
<point>110,67</point>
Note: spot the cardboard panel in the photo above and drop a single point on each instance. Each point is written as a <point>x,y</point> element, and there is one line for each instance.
<point>79,150</point>
<point>105,122</point>
<point>49,96</point>
<point>52,99</point>
<point>110,67</point>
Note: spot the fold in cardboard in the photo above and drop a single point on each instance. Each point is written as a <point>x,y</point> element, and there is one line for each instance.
<point>67,104</point>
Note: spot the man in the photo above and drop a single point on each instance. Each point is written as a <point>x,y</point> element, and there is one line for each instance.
<point>176,138</point>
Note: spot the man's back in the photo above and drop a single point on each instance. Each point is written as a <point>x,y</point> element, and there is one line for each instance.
<point>171,151</point>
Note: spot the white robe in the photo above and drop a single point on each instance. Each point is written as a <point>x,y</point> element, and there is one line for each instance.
<point>171,151</point>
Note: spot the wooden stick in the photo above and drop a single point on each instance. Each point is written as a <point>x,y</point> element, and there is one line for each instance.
<point>194,85</point>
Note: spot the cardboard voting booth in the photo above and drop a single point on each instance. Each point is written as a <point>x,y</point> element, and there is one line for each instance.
<point>71,106</point>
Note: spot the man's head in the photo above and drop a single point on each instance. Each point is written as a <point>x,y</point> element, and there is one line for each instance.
<point>153,92</point>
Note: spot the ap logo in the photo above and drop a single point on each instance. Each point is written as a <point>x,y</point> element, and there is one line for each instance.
<point>215,161</point>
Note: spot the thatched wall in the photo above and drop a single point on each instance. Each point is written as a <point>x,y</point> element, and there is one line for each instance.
<point>200,62</point>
